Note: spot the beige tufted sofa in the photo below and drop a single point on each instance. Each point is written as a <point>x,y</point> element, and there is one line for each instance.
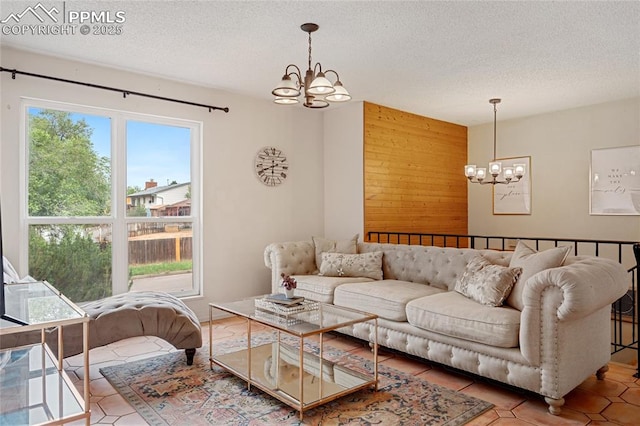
<point>559,338</point>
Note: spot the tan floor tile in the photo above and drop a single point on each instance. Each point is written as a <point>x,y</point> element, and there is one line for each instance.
<point>536,411</point>
<point>101,387</point>
<point>115,405</point>
<point>596,417</point>
<point>604,387</point>
<point>585,402</point>
<point>130,420</point>
<point>487,418</point>
<point>505,413</point>
<point>136,348</point>
<point>623,414</point>
<point>501,398</point>
<point>511,422</point>
<point>441,377</point>
<point>110,420</point>
<point>632,396</point>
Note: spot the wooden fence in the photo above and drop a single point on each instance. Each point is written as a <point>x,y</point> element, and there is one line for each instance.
<point>160,250</point>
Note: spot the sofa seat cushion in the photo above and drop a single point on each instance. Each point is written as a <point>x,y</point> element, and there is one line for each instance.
<point>321,288</point>
<point>387,298</point>
<point>454,315</point>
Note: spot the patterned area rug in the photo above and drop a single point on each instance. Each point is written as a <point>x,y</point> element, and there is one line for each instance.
<point>165,391</point>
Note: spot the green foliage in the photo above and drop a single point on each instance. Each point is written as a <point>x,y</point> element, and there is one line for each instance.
<point>68,258</point>
<point>133,189</point>
<point>138,211</point>
<point>66,176</point>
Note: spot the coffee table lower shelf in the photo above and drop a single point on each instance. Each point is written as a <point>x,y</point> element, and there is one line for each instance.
<point>293,376</point>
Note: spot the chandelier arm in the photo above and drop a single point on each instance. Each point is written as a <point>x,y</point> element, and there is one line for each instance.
<point>494,181</point>
<point>297,73</point>
<point>317,66</point>
<point>335,72</point>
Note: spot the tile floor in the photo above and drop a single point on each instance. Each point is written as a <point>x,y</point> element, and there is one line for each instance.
<point>614,401</point>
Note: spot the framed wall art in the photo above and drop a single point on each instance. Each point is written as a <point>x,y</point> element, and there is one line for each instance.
<point>513,198</point>
<point>614,180</point>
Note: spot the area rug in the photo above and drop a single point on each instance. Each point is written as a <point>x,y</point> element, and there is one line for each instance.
<point>165,391</point>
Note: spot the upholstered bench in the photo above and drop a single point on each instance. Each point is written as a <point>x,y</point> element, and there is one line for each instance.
<point>146,313</point>
<point>128,315</point>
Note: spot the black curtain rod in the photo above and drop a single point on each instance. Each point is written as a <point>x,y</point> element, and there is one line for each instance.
<point>113,89</point>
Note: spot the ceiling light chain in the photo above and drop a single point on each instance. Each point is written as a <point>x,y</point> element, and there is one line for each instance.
<point>509,174</point>
<point>317,88</point>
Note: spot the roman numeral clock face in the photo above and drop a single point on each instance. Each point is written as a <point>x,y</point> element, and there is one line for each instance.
<point>271,166</point>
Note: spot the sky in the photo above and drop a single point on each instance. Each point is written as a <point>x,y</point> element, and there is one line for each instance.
<point>154,151</point>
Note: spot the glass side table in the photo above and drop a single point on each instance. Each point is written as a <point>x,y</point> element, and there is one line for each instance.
<point>35,388</point>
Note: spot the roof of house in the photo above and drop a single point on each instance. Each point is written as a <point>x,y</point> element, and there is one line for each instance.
<point>158,189</point>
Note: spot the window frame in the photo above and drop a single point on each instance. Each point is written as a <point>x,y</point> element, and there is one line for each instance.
<point>117,218</point>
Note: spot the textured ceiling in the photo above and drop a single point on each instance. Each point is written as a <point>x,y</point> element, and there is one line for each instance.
<point>439,59</point>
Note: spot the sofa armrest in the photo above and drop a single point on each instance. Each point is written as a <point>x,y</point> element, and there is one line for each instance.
<point>577,294</point>
<point>587,284</point>
<point>290,258</point>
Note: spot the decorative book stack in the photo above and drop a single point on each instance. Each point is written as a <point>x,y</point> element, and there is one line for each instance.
<point>280,305</point>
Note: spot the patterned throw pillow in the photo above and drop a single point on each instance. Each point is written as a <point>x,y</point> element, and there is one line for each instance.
<point>487,283</point>
<point>324,245</point>
<point>368,265</point>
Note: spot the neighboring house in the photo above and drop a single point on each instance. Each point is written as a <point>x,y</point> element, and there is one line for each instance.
<point>170,200</point>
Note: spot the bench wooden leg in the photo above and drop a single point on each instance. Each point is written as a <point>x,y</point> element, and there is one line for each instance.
<point>190,354</point>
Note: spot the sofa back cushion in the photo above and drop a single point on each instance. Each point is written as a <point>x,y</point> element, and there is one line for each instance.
<point>438,266</point>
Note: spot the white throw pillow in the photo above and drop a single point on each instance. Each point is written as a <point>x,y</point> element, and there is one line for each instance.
<point>323,245</point>
<point>368,265</point>
<point>487,283</point>
<point>531,263</point>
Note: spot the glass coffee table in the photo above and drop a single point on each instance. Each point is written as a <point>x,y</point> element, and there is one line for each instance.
<point>282,367</point>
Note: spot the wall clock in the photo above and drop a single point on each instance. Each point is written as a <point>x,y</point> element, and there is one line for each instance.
<point>271,166</point>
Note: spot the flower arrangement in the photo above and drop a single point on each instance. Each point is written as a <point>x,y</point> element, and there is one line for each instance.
<point>288,282</point>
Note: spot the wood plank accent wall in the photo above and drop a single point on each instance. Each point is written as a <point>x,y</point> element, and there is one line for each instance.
<point>413,173</point>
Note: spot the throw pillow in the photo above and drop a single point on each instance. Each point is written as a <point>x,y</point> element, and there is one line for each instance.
<point>487,283</point>
<point>531,263</point>
<point>324,245</point>
<point>368,265</point>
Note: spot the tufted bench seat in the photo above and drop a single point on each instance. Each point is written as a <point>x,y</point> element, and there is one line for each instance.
<point>147,313</point>
<point>127,315</point>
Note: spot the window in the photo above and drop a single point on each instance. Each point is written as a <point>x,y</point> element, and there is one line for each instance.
<point>112,201</point>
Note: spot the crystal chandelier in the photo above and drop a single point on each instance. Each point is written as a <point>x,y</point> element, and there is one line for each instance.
<point>317,88</point>
<point>509,174</point>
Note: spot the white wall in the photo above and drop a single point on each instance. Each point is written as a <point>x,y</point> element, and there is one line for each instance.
<point>560,145</point>
<point>343,175</point>
<point>240,215</point>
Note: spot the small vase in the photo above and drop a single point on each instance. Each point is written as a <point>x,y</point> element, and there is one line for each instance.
<point>288,293</point>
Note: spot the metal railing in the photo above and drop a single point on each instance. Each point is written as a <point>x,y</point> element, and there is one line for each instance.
<point>624,312</point>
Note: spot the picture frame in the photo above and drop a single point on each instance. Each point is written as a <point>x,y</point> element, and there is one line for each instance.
<point>614,181</point>
<point>513,198</point>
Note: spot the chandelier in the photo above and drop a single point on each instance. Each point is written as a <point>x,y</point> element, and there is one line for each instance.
<point>317,88</point>
<point>509,174</point>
